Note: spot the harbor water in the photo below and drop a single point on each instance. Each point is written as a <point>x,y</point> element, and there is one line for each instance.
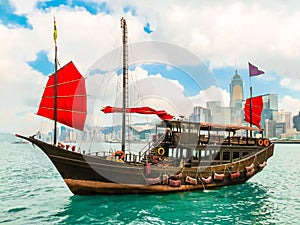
<point>32,192</point>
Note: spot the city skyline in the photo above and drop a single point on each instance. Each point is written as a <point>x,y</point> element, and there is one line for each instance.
<point>226,36</point>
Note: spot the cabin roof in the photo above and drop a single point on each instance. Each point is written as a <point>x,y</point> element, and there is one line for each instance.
<point>227,127</point>
<point>212,126</point>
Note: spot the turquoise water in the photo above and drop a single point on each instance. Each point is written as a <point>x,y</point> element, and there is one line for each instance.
<point>32,192</point>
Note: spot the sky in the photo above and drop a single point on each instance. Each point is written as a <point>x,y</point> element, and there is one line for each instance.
<point>222,35</point>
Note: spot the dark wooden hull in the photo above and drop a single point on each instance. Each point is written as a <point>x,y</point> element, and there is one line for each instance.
<point>88,175</point>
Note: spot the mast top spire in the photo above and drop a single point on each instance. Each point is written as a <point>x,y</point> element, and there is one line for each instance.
<point>123,22</point>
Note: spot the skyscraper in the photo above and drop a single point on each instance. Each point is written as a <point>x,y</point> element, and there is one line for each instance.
<point>236,99</point>
<point>296,122</point>
<point>269,113</point>
<point>236,89</point>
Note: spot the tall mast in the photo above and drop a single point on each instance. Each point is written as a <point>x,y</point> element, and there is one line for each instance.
<point>250,109</point>
<point>55,85</point>
<point>125,79</point>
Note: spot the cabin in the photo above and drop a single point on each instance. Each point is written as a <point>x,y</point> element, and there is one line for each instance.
<point>200,144</point>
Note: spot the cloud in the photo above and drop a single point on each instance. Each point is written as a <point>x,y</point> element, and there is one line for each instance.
<point>290,104</point>
<point>291,83</point>
<point>145,89</point>
<point>234,32</point>
<point>223,33</point>
<point>213,93</point>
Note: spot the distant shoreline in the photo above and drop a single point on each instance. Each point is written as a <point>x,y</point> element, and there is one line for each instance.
<point>286,141</point>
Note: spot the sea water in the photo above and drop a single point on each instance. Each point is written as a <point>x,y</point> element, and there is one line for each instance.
<point>32,192</point>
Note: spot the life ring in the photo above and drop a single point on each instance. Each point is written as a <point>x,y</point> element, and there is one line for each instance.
<point>266,142</point>
<point>260,142</point>
<point>120,154</point>
<point>161,151</point>
<point>60,145</point>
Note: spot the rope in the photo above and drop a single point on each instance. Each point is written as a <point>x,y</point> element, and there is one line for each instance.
<point>255,156</point>
<point>202,183</point>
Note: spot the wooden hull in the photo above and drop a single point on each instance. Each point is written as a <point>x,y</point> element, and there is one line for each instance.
<point>89,175</point>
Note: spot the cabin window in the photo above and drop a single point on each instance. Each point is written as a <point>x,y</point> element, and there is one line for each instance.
<point>184,151</point>
<point>245,153</point>
<point>194,128</point>
<point>236,155</point>
<point>215,155</point>
<point>175,128</point>
<point>205,155</point>
<point>195,154</point>
<point>226,155</point>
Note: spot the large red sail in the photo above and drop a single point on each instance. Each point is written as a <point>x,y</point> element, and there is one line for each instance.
<point>257,107</point>
<point>162,114</point>
<point>71,98</point>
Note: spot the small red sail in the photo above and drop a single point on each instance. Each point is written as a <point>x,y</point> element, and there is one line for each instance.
<point>162,114</point>
<point>257,107</point>
<point>71,98</point>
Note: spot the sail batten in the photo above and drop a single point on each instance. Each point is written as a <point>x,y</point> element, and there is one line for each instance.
<point>71,103</point>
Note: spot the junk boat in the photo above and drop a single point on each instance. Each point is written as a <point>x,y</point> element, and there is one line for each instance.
<point>182,155</point>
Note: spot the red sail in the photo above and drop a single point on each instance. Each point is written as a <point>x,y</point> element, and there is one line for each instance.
<point>162,114</point>
<point>71,98</point>
<point>257,107</point>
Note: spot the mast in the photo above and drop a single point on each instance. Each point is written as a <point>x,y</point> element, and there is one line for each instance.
<point>125,79</point>
<point>55,85</point>
<point>250,109</point>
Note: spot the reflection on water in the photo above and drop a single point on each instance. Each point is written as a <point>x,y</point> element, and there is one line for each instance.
<point>32,192</point>
<point>249,203</point>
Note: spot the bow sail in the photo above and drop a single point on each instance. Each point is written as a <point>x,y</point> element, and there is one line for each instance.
<point>254,110</point>
<point>71,98</point>
<point>162,114</point>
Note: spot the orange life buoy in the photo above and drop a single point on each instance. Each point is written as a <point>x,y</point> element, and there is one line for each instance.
<point>61,145</point>
<point>266,142</point>
<point>260,142</point>
<point>120,154</point>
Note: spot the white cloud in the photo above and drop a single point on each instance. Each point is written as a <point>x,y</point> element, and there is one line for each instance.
<point>290,104</point>
<point>291,83</point>
<point>144,89</point>
<point>222,32</point>
<point>213,93</point>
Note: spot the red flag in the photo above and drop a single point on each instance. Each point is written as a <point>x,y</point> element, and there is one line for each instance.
<point>254,71</point>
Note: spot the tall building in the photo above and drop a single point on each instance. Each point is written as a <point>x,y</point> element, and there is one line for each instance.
<point>200,114</point>
<point>285,117</point>
<point>236,99</point>
<point>270,128</point>
<point>270,114</point>
<point>236,89</point>
<point>296,122</point>
<point>270,110</point>
<point>219,114</point>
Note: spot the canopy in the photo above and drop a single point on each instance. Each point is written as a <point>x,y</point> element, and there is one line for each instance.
<point>162,114</point>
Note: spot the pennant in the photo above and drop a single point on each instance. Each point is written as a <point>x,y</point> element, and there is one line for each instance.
<point>55,32</point>
<point>254,71</point>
